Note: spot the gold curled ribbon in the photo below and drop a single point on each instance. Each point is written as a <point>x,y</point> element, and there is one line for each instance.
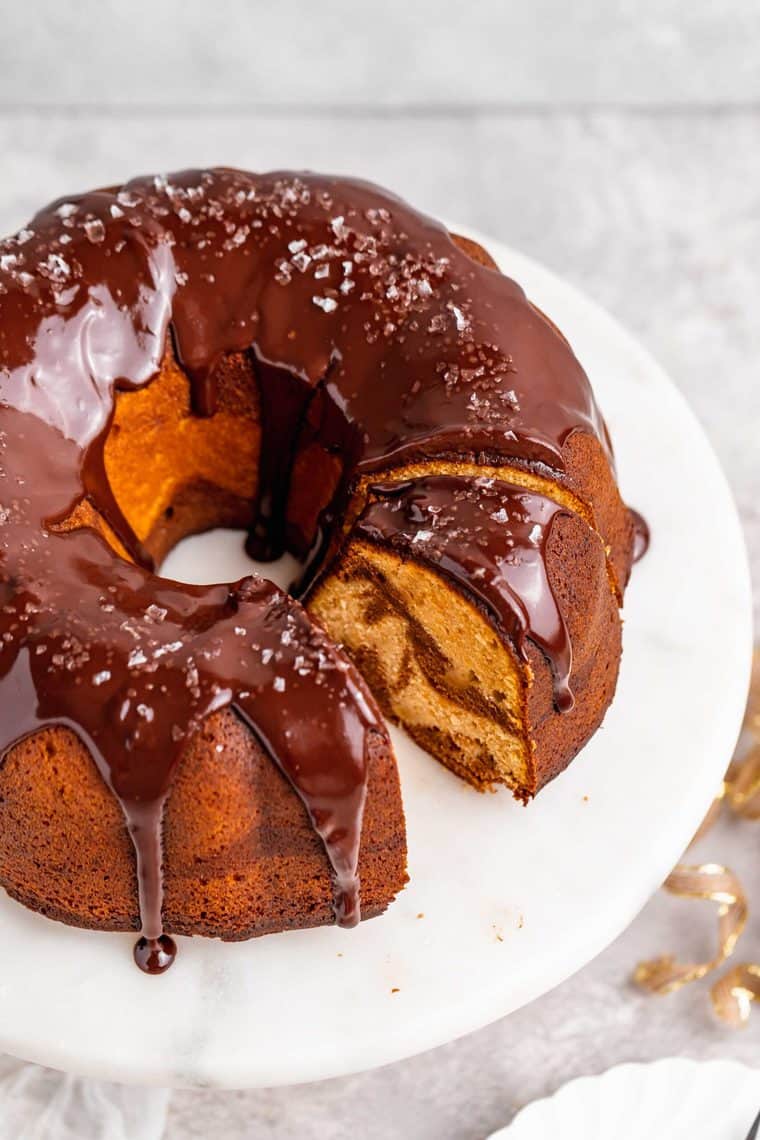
<point>712,883</point>
<point>732,995</point>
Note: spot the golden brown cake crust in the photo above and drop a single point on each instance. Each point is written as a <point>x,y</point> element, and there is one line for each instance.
<point>240,856</point>
<point>578,574</point>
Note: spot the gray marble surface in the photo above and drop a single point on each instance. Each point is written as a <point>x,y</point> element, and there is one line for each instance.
<point>620,144</point>
<point>400,53</point>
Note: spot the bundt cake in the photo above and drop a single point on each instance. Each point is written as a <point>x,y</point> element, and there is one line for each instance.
<point>309,359</point>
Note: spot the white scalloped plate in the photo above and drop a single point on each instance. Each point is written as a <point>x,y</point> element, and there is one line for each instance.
<point>501,888</point>
<point>672,1099</point>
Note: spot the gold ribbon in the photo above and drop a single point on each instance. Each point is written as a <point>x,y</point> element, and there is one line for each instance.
<point>732,995</point>
<point>715,884</point>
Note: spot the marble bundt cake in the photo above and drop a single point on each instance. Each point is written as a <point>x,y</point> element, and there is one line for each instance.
<point>310,359</point>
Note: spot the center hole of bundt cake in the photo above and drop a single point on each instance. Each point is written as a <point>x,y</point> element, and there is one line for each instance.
<point>172,472</point>
<point>219,555</point>
<point>187,486</point>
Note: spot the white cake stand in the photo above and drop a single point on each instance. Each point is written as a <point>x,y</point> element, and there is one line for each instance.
<point>504,902</point>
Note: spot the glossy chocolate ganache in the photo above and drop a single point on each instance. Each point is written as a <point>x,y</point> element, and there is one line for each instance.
<point>371,332</point>
<point>489,538</point>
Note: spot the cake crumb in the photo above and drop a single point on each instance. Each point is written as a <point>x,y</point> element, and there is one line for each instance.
<point>395,990</point>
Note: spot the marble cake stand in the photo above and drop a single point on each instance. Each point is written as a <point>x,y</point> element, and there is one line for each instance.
<point>504,902</point>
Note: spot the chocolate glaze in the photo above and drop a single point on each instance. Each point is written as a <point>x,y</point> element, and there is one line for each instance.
<point>489,538</point>
<point>371,334</point>
<point>155,955</point>
<point>409,346</point>
<point>133,663</point>
<point>641,535</point>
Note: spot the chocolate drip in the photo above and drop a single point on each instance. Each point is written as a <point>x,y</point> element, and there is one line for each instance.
<point>155,955</point>
<point>133,664</point>
<point>490,539</point>
<point>283,398</point>
<point>373,337</point>
<point>641,535</point>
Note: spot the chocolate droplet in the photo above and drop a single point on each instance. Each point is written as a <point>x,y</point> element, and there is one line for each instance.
<point>155,955</point>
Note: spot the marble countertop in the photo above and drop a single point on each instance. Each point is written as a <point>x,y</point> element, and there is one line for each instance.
<point>639,183</point>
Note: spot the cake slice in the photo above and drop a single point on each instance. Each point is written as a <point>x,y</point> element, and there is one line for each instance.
<point>484,618</point>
